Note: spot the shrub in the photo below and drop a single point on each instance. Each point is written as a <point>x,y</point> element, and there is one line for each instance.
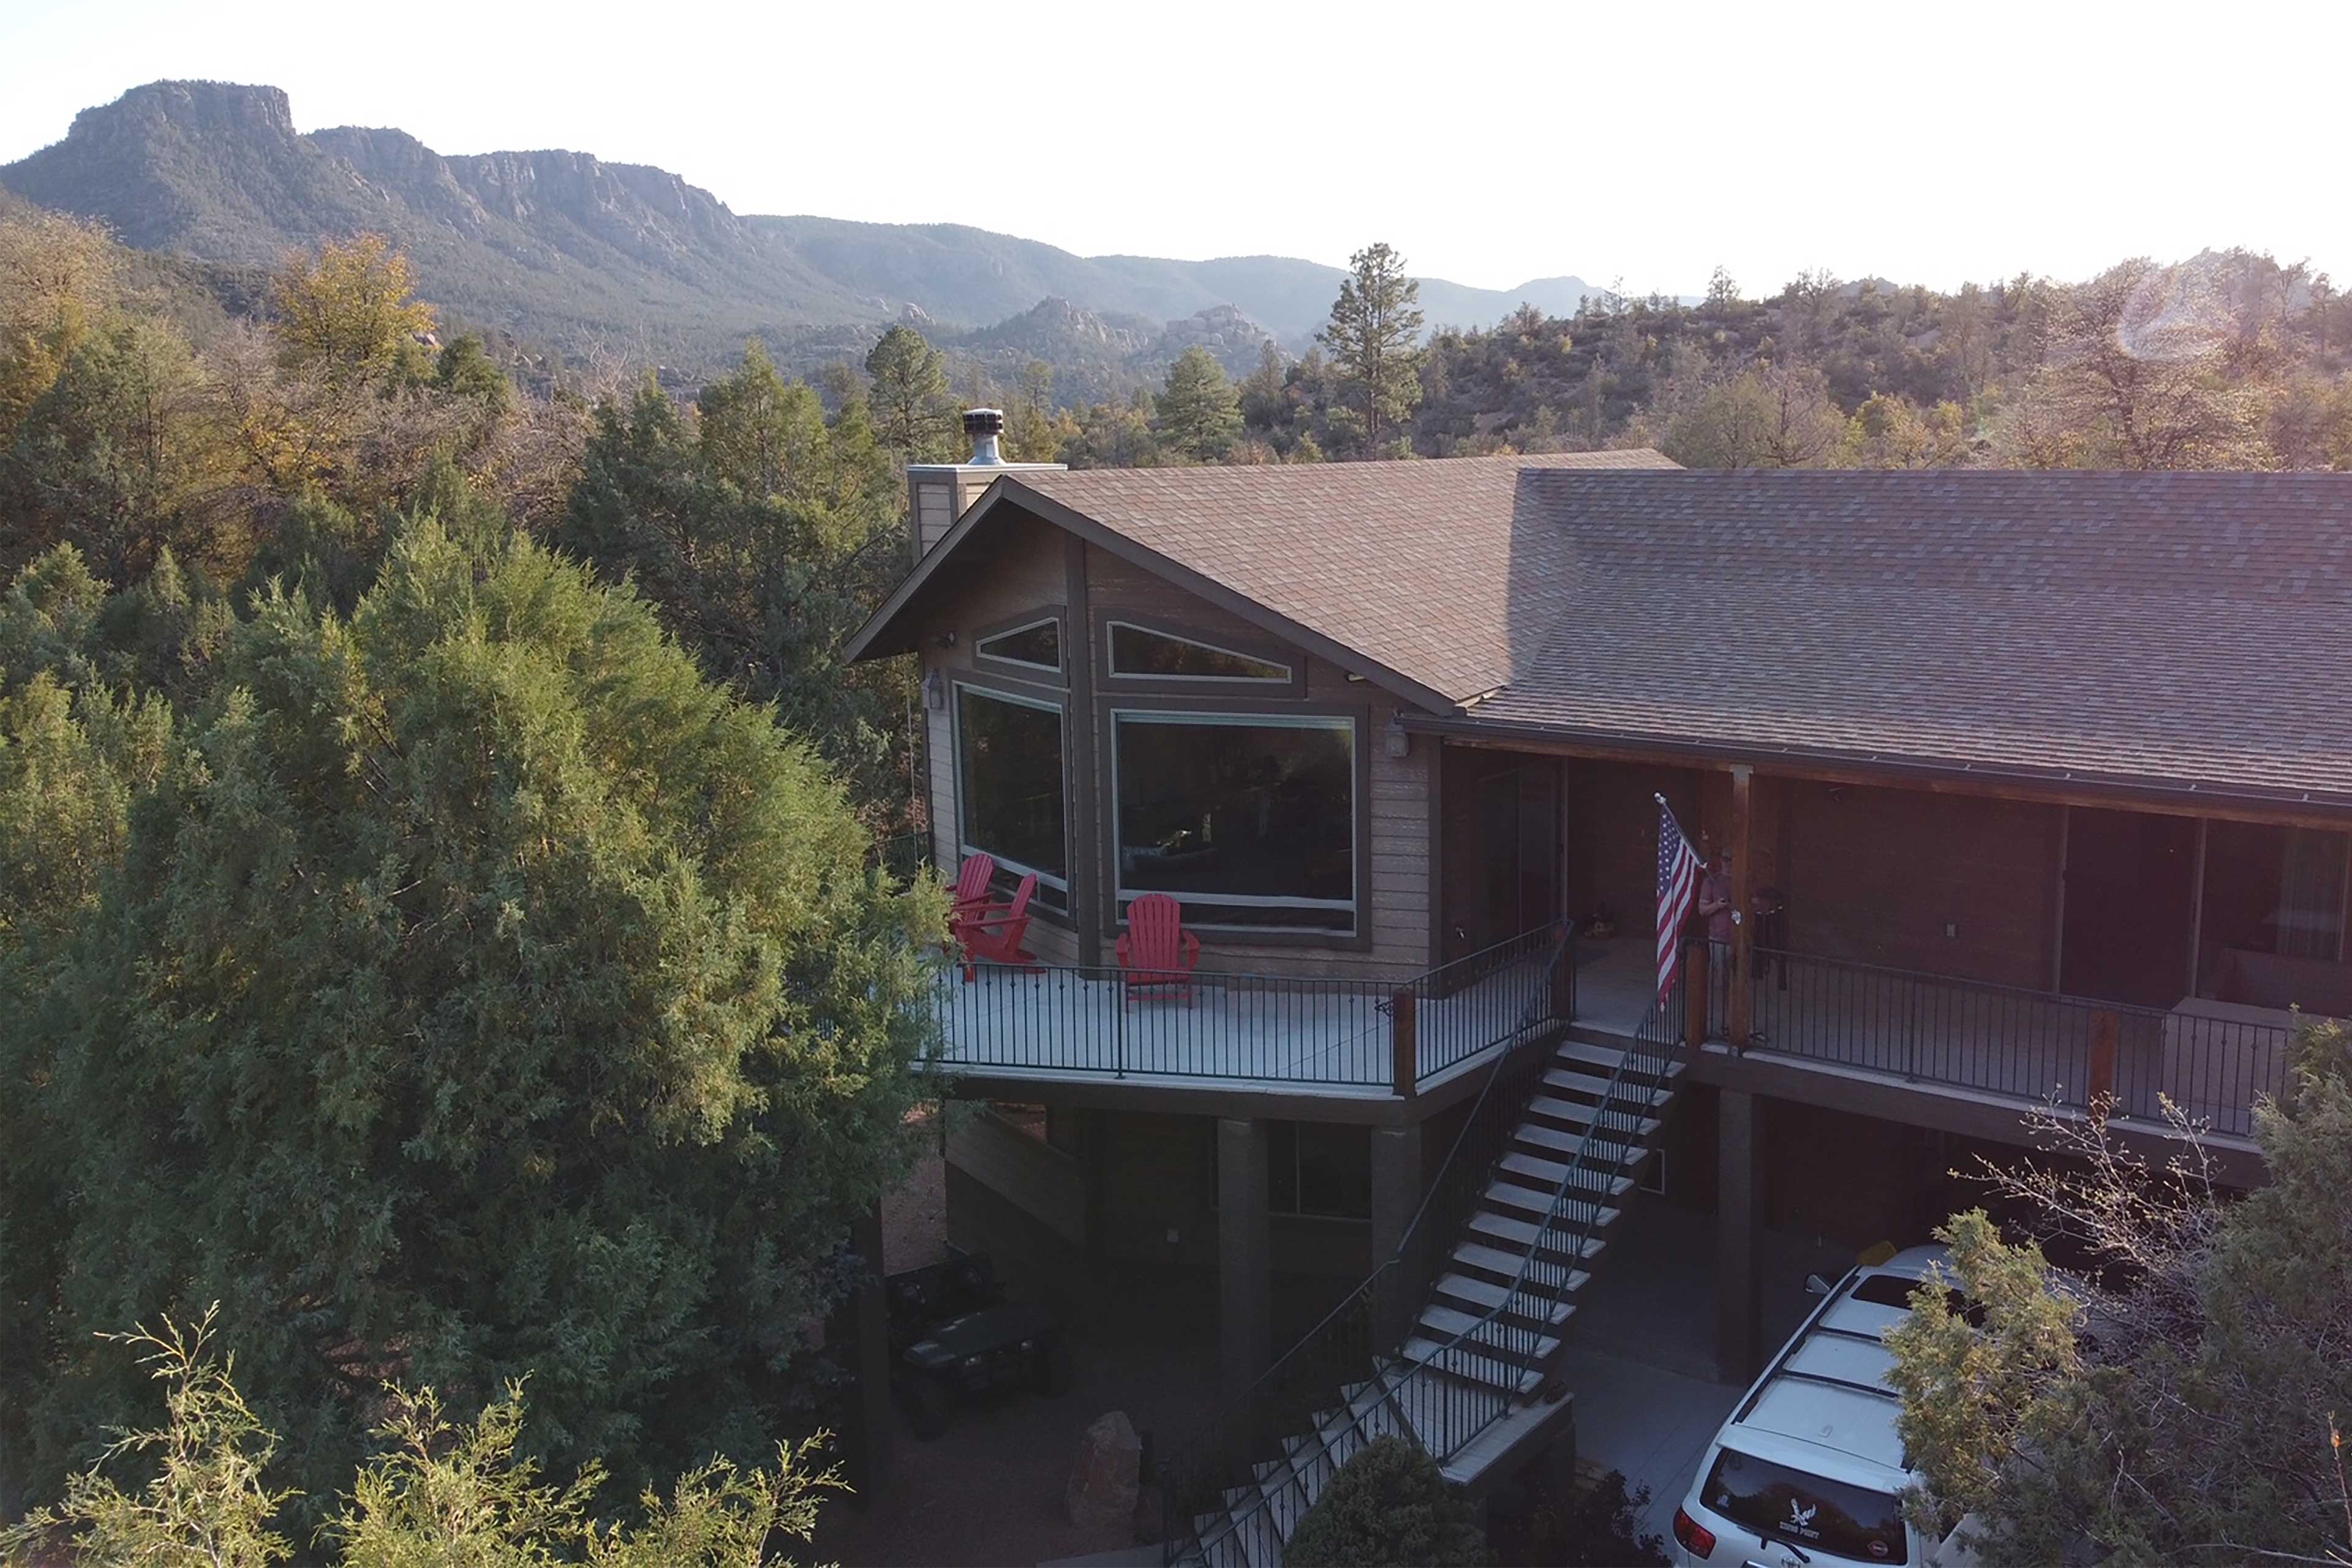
<point>1388,1508</point>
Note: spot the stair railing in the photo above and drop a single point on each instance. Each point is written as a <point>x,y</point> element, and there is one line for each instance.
<point>1460,1409</point>
<point>1343,1346</point>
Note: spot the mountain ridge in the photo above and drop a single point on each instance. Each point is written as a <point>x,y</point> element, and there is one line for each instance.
<point>568,248</point>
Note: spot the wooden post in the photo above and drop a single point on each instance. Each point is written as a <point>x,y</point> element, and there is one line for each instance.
<point>1695,957</point>
<point>2105,1026</point>
<point>1563,984</point>
<point>1739,987</point>
<point>1405,1065</point>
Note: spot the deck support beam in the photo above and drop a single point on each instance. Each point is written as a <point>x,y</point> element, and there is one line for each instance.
<point>1244,1257</point>
<point>1396,1197</point>
<point>1738,987</point>
<point>1738,1212</point>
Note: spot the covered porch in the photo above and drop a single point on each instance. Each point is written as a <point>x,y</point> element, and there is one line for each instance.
<point>2014,949</point>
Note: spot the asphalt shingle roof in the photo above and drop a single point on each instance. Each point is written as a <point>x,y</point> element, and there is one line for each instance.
<point>2175,628</point>
<point>1395,560</point>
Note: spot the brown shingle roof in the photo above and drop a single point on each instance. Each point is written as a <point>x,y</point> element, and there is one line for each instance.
<point>1395,560</point>
<point>2181,629</point>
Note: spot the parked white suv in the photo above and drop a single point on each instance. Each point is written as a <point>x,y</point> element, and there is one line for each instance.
<point>1808,1469</point>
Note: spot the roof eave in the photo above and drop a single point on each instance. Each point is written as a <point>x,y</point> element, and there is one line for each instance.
<point>1894,767</point>
<point>871,641</point>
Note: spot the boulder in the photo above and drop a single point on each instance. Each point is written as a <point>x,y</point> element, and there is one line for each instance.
<point>1105,1479</point>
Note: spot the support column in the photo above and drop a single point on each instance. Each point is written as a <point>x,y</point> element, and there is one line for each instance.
<point>869,1312</point>
<point>1244,1253</point>
<point>1739,985</point>
<point>1738,1210</point>
<point>1396,1197</point>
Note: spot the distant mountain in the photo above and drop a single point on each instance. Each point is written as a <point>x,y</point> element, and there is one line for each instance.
<point>567,249</point>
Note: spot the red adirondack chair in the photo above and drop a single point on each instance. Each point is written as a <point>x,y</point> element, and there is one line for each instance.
<point>1157,954</point>
<point>993,934</point>
<point>971,889</point>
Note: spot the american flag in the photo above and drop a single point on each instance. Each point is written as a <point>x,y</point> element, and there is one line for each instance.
<point>1677,886</point>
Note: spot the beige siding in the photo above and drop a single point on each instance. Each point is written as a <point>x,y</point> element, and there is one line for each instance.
<point>1394,886</point>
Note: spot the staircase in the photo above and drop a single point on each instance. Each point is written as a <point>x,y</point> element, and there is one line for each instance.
<point>1471,1379</point>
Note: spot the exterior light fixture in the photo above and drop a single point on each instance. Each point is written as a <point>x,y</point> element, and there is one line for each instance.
<point>1394,740</point>
<point>935,692</point>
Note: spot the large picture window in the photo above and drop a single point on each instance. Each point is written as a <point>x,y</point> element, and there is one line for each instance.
<point>1249,819</point>
<point>1009,788</point>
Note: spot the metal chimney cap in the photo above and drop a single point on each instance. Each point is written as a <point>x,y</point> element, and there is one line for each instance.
<point>983,422</point>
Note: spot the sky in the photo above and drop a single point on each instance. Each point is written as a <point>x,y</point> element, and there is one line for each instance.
<point>1637,145</point>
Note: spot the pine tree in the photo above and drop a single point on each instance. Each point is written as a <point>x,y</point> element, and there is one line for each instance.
<point>912,412</point>
<point>1199,413</point>
<point>1373,336</point>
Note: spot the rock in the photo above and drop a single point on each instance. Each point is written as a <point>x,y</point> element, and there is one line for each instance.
<point>1105,1482</point>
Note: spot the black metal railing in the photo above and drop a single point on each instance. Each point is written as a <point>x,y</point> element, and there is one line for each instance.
<point>1340,1350</point>
<point>1466,1005</point>
<point>1071,1017</point>
<point>1341,1033</point>
<point>2019,1043</point>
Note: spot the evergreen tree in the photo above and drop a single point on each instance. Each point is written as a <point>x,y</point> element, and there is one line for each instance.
<point>1373,333</point>
<point>913,415</point>
<point>1199,413</point>
<point>477,993</point>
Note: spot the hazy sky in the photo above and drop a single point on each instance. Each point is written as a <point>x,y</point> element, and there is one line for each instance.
<point>1490,143</point>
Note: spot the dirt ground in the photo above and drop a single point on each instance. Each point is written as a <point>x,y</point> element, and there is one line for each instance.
<point>989,1489</point>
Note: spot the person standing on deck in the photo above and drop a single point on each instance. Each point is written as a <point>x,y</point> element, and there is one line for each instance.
<point>1715,908</point>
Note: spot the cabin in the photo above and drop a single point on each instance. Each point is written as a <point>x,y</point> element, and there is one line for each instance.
<point>2035,789</point>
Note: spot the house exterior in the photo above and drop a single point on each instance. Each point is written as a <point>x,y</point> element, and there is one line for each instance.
<point>2036,786</point>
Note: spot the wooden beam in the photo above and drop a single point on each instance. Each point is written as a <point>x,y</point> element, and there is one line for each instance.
<point>2197,905</point>
<point>2158,800</point>
<point>2058,904</point>
<point>1739,987</point>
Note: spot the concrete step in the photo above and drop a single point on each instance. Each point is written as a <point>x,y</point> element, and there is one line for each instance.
<point>1587,1178</point>
<point>1569,1082</point>
<point>1521,1233</point>
<point>1464,1362</point>
<point>1516,1344</point>
<point>1605,1051</point>
<point>1285,1499</point>
<point>1534,1302</point>
<point>1606,1140</point>
<point>1504,1265</point>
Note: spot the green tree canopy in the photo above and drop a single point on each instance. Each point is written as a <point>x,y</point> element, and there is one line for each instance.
<point>478,993</point>
<point>1388,1505</point>
<point>1374,335</point>
<point>913,417</point>
<point>1199,412</point>
<point>2180,1404</point>
<point>765,536</point>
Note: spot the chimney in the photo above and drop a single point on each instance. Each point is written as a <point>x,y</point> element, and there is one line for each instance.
<point>938,494</point>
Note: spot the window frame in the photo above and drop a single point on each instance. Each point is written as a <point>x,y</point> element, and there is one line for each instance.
<point>1022,669</point>
<point>1294,1136</point>
<point>1355,720</point>
<point>1009,871</point>
<point>1240,686</point>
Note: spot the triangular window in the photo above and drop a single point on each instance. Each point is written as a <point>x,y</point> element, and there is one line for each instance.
<point>1161,656</point>
<point>1037,644</point>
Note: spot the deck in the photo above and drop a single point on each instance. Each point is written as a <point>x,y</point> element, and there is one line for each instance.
<point>1996,1044</point>
<point>1267,1032</point>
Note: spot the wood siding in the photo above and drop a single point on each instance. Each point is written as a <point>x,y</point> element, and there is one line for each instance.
<point>1394,891</point>
<point>1028,568</point>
